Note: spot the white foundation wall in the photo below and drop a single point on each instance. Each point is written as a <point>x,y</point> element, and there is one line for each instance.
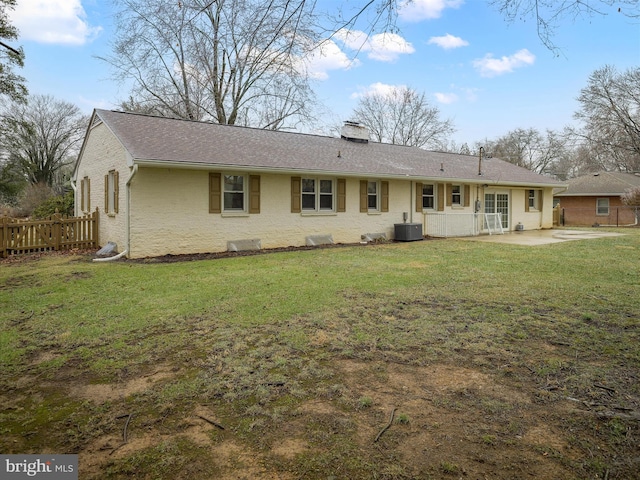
<point>101,154</point>
<point>170,215</point>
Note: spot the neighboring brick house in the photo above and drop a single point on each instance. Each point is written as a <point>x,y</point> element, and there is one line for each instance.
<point>168,186</point>
<point>594,199</point>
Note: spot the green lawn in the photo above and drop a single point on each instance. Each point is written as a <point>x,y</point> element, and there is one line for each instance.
<point>308,350</point>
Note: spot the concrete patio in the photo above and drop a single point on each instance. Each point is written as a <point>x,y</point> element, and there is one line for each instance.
<point>542,237</point>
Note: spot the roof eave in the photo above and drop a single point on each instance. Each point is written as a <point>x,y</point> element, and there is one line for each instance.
<point>155,163</point>
<point>589,194</point>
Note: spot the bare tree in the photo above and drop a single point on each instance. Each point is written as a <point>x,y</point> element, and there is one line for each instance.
<point>227,61</point>
<point>631,198</point>
<point>528,148</point>
<point>403,116</point>
<point>11,85</point>
<point>41,137</point>
<point>610,110</point>
<point>549,14</point>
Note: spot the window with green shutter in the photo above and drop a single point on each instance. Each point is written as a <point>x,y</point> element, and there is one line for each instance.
<point>234,193</point>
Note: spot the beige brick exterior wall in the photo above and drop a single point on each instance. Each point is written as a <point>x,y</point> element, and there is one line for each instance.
<point>102,154</point>
<point>533,219</point>
<point>170,214</point>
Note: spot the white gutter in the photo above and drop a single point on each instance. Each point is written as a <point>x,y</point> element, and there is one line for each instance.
<point>75,195</point>
<point>292,171</point>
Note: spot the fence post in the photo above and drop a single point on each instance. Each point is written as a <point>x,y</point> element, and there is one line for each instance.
<point>94,222</point>
<point>55,230</point>
<point>4,233</point>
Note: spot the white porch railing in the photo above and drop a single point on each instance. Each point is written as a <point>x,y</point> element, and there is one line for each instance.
<point>452,224</point>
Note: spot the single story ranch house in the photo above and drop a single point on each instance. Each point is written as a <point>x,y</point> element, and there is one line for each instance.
<point>595,199</point>
<point>168,186</point>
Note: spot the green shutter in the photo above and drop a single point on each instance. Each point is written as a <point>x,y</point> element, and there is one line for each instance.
<point>364,204</point>
<point>467,195</point>
<point>526,200</point>
<point>384,197</point>
<point>540,200</point>
<point>418,197</point>
<point>254,193</point>
<point>448,194</point>
<point>441,192</point>
<point>296,194</point>
<point>215,193</point>
<point>342,195</point>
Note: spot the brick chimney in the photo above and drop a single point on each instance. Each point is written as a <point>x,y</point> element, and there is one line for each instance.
<point>354,132</point>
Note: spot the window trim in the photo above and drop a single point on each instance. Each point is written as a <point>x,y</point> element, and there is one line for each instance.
<point>598,212</point>
<point>375,195</point>
<point>251,190</point>
<point>433,196</point>
<point>533,199</point>
<point>382,197</point>
<point>460,194</point>
<point>318,195</point>
<point>537,200</point>
<point>244,192</point>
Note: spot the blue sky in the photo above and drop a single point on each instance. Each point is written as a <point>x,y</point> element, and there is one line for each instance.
<point>487,75</point>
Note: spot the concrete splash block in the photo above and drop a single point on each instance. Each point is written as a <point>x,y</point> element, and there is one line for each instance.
<point>374,237</point>
<point>244,245</point>
<point>314,240</point>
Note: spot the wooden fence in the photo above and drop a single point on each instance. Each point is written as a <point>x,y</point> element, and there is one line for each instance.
<point>58,232</point>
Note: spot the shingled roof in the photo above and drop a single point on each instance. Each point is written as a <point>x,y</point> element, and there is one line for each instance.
<point>601,184</point>
<point>160,141</point>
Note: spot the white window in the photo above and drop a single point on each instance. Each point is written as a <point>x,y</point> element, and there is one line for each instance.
<point>456,195</point>
<point>602,206</point>
<point>533,199</point>
<point>428,196</point>
<point>317,195</point>
<point>234,193</point>
<point>373,200</point>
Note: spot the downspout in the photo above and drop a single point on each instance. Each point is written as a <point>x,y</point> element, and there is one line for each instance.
<point>128,223</point>
<point>412,197</point>
<point>74,187</point>
<point>109,259</point>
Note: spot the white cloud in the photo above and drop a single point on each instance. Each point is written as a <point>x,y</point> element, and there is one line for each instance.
<point>377,88</point>
<point>446,98</point>
<point>488,66</point>
<point>326,57</point>
<point>53,21</point>
<point>384,47</point>
<point>448,42</point>
<point>418,10</point>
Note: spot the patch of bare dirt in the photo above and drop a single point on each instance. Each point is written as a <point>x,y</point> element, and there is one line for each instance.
<point>458,419</point>
<point>449,422</point>
<point>106,392</point>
